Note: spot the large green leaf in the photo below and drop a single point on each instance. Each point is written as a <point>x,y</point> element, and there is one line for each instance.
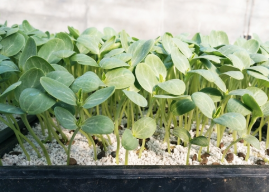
<point>111,63</point>
<point>156,65</point>
<point>88,82</point>
<point>261,69</point>
<point>173,86</point>
<point>128,141</point>
<point>27,27</point>
<point>28,51</point>
<point>236,61</point>
<point>63,77</point>
<point>39,63</point>
<point>213,58</point>
<point>182,133</point>
<point>217,38</point>
<point>12,44</point>
<point>68,44</point>
<point>144,128</point>
<point>213,93</point>
<point>204,103</point>
<point>146,77</point>
<point>30,79</point>
<point>65,118</point>
<point>98,125</point>
<point>64,53</point>
<point>265,109</point>
<point>87,43</point>
<point>237,106</point>
<point>183,47</point>
<point>244,57</point>
<point>234,121</point>
<point>252,46</point>
<point>234,74</point>
<point>200,141</point>
<point>182,106</point>
<point>106,46</point>
<point>83,59</point>
<point>167,42</point>
<point>253,105</point>
<point>257,58</point>
<point>58,90</point>
<point>141,52</point>
<point>180,61</point>
<point>98,97</point>
<point>10,88</point>
<point>120,78</point>
<point>8,66</point>
<point>10,109</point>
<point>34,101</point>
<point>259,95</point>
<point>252,140</point>
<point>136,98</point>
<point>240,92</point>
<point>46,51</point>
<point>125,57</point>
<point>114,52</point>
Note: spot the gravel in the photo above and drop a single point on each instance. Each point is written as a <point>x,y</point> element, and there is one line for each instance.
<point>154,155</point>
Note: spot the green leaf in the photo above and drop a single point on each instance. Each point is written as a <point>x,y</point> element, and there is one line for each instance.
<point>106,46</point>
<point>59,68</point>
<point>141,52</point>
<point>39,63</point>
<point>58,90</point>
<point>244,57</point>
<point>180,61</point>
<point>144,128</point>
<point>258,76</point>
<point>183,47</point>
<point>252,46</point>
<point>173,86</point>
<point>237,106</point>
<point>169,96</point>
<point>240,92</point>
<point>83,59</point>
<point>114,52</point>
<point>88,82</point>
<point>252,140</point>
<point>213,58</point>
<point>182,106</point>
<point>12,44</point>
<point>167,42</point>
<point>253,105</point>
<point>27,27</point>
<point>74,32</point>
<point>128,141</point>
<point>90,31</point>
<point>213,93</point>
<point>259,95</point>
<point>98,97</point>
<point>120,78</point>
<point>217,38</point>
<point>8,66</point>
<point>123,56</point>
<point>87,43</point>
<point>261,69</point>
<point>229,49</point>
<point>156,65</point>
<point>200,141</point>
<point>30,79</point>
<point>28,51</point>
<point>204,103</point>
<point>234,121</point>
<point>111,63</point>
<point>63,77</point>
<point>124,40</point>
<point>68,44</point>
<point>109,32</point>
<point>10,109</point>
<point>98,125</point>
<point>236,61</point>
<point>63,53</point>
<point>65,118</point>
<point>47,50</point>
<point>136,98</point>
<point>257,58</point>
<point>34,101</point>
<point>146,77</point>
<point>182,133</point>
<point>10,88</point>
<point>265,109</point>
<point>234,74</point>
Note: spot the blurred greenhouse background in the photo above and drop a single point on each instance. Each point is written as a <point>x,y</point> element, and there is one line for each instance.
<point>143,19</point>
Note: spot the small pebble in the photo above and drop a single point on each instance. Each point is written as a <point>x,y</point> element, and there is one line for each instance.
<point>215,163</point>
<point>101,155</point>
<point>260,162</point>
<point>113,154</point>
<point>221,145</point>
<point>230,157</point>
<point>15,153</point>
<point>205,155</point>
<point>72,161</point>
<point>194,157</point>
<point>240,154</point>
<point>204,161</point>
<point>267,151</point>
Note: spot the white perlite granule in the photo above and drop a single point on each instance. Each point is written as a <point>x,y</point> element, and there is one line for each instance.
<point>155,155</point>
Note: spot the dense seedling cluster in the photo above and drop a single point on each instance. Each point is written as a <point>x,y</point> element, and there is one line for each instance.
<point>90,80</point>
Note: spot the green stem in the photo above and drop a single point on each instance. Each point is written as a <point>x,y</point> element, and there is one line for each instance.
<point>267,136</point>
<point>70,144</point>
<point>1,164</point>
<point>126,157</point>
<point>26,123</point>
<point>94,147</point>
<point>167,132</point>
<point>188,154</point>
<point>142,148</point>
<point>235,138</point>
<point>226,150</point>
<point>41,124</point>
<point>87,136</point>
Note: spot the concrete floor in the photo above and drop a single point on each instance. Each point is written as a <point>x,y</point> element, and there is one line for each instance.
<point>144,19</point>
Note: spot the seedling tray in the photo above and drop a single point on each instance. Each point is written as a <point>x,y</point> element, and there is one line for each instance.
<point>135,178</point>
